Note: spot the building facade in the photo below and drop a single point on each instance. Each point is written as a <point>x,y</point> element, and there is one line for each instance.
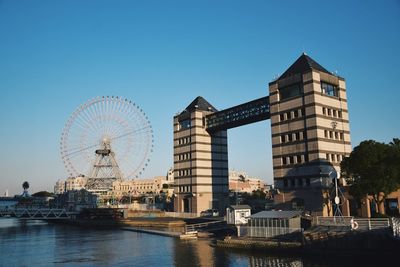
<point>241,182</point>
<point>200,161</point>
<point>137,187</point>
<point>71,183</point>
<point>310,132</point>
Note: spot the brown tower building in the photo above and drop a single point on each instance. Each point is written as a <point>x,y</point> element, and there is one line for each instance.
<point>200,161</point>
<point>310,133</point>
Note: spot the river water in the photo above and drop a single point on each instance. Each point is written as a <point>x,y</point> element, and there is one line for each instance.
<point>37,243</point>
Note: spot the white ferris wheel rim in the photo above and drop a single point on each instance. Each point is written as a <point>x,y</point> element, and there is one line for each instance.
<point>116,119</point>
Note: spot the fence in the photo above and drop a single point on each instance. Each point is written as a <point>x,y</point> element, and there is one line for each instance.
<point>396,227</point>
<point>362,223</point>
<point>256,231</point>
<point>208,225</point>
<point>183,215</point>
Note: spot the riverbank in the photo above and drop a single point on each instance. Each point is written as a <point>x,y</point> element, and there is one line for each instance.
<point>366,243</point>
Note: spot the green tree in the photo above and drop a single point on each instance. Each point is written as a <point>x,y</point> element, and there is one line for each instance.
<point>43,194</point>
<point>372,168</point>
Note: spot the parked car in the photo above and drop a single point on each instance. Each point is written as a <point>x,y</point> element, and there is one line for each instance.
<point>209,213</point>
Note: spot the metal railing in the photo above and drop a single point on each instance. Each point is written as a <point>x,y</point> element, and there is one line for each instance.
<point>361,223</point>
<point>183,215</point>
<point>37,213</point>
<point>198,226</point>
<point>396,227</point>
<point>255,231</point>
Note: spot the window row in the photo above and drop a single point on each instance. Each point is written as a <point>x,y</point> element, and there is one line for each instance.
<point>294,159</point>
<point>297,136</point>
<point>329,89</point>
<point>299,182</point>
<point>184,156</point>
<point>184,140</point>
<point>333,135</point>
<point>332,112</point>
<point>334,157</point>
<point>292,114</point>
<point>185,172</point>
<point>185,188</point>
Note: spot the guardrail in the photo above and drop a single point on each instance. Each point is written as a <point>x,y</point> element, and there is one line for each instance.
<point>198,226</point>
<point>183,215</point>
<point>361,223</point>
<point>396,227</point>
<point>255,231</point>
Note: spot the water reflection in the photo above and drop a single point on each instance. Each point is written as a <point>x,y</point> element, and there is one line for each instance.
<point>36,243</point>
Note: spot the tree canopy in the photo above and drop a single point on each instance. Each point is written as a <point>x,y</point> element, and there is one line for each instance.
<point>43,194</point>
<point>373,168</point>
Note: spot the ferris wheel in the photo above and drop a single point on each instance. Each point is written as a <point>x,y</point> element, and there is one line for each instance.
<point>110,132</point>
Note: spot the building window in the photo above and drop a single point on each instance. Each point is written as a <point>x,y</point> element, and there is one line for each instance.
<point>290,137</point>
<point>341,136</point>
<point>284,160</point>
<point>339,114</point>
<point>289,115</point>
<point>327,156</point>
<point>329,89</point>
<point>291,159</point>
<point>330,134</point>
<point>297,135</point>
<point>290,91</point>
<point>334,113</point>
<point>295,114</point>
<point>324,111</point>
<point>336,135</point>
<point>298,158</point>
<point>282,117</point>
<point>283,139</point>
<point>326,133</point>
<point>329,112</point>
<point>185,124</point>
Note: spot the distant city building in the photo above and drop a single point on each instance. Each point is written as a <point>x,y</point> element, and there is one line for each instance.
<point>241,182</point>
<point>8,202</point>
<point>76,200</point>
<point>137,187</point>
<point>71,183</point>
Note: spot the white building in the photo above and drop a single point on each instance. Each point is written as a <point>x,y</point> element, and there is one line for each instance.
<point>238,214</point>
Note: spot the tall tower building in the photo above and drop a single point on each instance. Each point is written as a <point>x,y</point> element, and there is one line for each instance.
<point>310,133</point>
<point>200,161</point>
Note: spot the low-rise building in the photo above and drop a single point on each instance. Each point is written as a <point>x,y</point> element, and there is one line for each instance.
<point>238,214</point>
<point>271,223</point>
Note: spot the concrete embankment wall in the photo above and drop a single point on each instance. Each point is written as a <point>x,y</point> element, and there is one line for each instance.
<point>350,243</point>
<point>374,241</point>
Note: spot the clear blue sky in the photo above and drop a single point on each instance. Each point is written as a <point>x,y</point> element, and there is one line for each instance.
<point>55,55</point>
